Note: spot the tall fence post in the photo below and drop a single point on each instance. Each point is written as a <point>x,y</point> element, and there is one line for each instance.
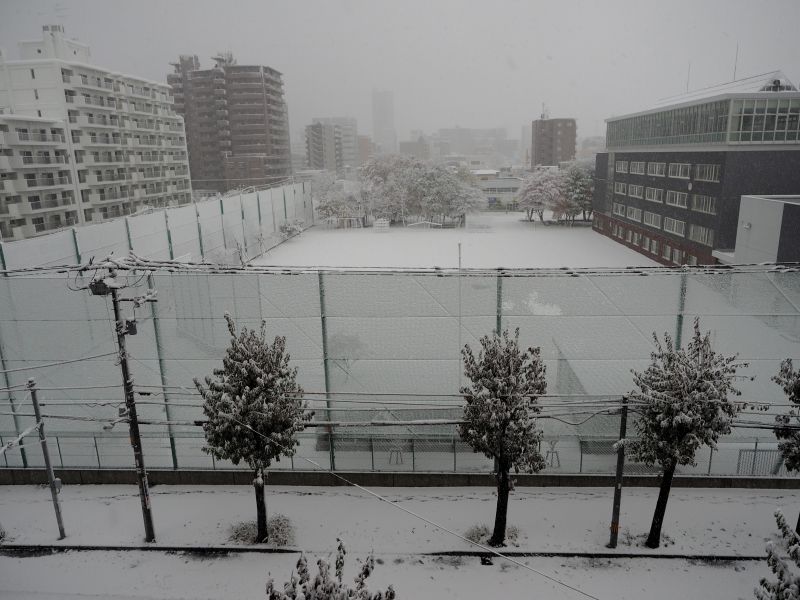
<point>55,484</point>
<point>499,310</point>
<point>244,231</point>
<point>75,245</point>
<point>162,376</point>
<point>169,236</point>
<point>681,309</point>
<point>128,235</point>
<point>199,233</point>
<point>325,366</point>
<point>454,456</point>
<point>710,456</point>
<point>222,222</point>
<point>755,455</point>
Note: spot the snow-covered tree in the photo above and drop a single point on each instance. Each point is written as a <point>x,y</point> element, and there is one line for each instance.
<point>787,586</point>
<point>326,586</point>
<point>400,186</point>
<point>540,191</point>
<point>500,409</point>
<point>682,398</point>
<point>787,426</point>
<point>254,407</point>
<point>579,187</point>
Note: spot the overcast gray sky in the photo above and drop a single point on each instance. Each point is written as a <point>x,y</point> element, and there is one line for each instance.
<point>449,62</point>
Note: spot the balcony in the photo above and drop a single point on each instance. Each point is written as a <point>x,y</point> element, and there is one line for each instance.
<point>37,138</point>
<point>35,162</point>
<point>45,182</point>
<point>91,85</point>
<point>43,205</point>
<point>86,121</point>
<point>102,141</point>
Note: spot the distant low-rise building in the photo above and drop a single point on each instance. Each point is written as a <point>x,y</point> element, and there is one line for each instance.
<point>498,188</point>
<point>553,141</point>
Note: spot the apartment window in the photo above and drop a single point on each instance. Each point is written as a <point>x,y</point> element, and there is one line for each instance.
<point>691,260</point>
<point>704,204</point>
<point>635,191</point>
<point>637,168</point>
<point>674,226</point>
<point>652,219</point>
<point>634,214</point>
<point>676,198</point>
<point>677,256</point>
<point>622,166</point>
<point>653,194</point>
<point>666,251</point>
<point>619,209</point>
<point>706,173</point>
<point>656,168</point>
<point>701,235</point>
<point>680,170</point>
<point>654,246</point>
<point>645,242</point>
<point>628,236</point>
<point>637,238</point>
<point>620,188</point>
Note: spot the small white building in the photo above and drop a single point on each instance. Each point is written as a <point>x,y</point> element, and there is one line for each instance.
<point>500,190</point>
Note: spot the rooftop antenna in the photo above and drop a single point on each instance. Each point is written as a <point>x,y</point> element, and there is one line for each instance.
<point>736,61</point>
<point>545,114</point>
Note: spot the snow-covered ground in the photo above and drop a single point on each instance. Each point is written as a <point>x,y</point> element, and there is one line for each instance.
<point>698,521</point>
<point>489,240</point>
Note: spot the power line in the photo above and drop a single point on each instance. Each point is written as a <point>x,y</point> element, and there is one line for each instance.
<point>420,517</point>
<point>58,364</point>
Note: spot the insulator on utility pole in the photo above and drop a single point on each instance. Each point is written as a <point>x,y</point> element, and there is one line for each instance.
<point>55,484</point>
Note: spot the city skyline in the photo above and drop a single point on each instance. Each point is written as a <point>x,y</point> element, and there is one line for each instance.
<point>489,72</point>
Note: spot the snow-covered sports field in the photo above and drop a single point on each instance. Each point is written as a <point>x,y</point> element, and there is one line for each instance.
<point>489,240</point>
<point>698,521</point>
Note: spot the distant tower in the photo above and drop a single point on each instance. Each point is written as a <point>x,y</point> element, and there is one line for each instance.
<point>383,130</point>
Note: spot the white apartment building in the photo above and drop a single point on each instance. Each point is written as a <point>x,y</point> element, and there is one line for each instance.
<point>348,127</point>
<point>81,144</point>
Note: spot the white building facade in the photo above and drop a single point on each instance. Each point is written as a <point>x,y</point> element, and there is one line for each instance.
<point>81,144</point>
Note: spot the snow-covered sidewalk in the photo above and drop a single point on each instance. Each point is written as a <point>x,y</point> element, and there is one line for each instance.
<point>698,521</point>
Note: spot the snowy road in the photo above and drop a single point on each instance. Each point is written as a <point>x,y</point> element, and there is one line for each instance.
<point>145,576</point>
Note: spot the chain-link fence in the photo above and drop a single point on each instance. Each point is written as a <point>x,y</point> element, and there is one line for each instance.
<point>383,346</point>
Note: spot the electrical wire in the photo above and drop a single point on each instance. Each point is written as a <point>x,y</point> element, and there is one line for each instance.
<point>59,363</point>
<point>420,517</point>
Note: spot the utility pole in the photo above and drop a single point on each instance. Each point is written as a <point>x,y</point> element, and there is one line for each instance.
<point>110,286</point>
<point>623,422</point>
<point>55,484</point>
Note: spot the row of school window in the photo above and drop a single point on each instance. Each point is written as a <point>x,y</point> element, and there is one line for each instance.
<point>704,172</point>
<point>653,246</point>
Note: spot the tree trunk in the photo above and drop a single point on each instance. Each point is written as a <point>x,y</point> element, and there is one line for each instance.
<point>796,529</point>
<point>499,535</point>
<point>654,539</point>
<point>261,508</point>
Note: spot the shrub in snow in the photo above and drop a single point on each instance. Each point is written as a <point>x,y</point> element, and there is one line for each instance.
<point>280,528</point>
<point>480,534</point>
<point>326,586</point>
<point>787,586</point>
<point>254,407</point>
<point>682,398</point>
<point>290,228</point>
<point>787,426</point>
<point>500,409</point>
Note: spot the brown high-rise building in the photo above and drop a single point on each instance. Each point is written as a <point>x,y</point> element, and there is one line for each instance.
<point>553,141</point>
<point>237,124</point>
